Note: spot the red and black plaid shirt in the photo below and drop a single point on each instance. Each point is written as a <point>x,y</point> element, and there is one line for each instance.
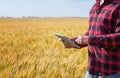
<point>104,38</point>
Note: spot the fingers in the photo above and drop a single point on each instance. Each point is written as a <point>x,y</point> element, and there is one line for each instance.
<point>79,39</point>
<point>82,39</point>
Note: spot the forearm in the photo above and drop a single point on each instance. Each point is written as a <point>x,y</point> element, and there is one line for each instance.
<point>107,41</point>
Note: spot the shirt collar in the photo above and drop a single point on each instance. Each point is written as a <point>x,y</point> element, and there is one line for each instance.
<point>116,1</point>
<point>105,0</point>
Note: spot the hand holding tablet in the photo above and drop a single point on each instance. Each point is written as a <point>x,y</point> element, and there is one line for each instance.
<point>67,40</point>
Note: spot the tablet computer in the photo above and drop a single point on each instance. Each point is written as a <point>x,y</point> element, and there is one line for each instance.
<point>67,40</point>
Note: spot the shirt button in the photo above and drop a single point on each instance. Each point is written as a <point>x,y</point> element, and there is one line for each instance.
<point>100,74</point>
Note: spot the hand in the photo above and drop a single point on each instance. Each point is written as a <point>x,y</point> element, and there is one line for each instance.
<point>82,40</point>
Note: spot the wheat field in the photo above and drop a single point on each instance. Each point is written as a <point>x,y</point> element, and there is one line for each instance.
<point>29,49</point>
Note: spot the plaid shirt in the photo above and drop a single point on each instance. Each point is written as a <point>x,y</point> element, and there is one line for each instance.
<point>104,38</point>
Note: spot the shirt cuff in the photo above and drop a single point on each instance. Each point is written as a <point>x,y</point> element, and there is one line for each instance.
<point>96,40</point>
<point>93,40</point>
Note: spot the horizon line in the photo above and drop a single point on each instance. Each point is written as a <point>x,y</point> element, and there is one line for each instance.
<point>39,17</point>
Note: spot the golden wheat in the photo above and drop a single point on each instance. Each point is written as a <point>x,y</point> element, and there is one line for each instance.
<point>28,48</point>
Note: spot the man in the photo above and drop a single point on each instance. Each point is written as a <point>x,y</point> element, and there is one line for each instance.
<point>103,40</point>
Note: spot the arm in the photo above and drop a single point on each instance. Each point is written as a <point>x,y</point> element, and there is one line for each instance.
<point>109,40</point>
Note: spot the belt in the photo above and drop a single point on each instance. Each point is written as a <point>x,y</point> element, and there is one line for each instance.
<point>110,76</point>
<point>103,76</point>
